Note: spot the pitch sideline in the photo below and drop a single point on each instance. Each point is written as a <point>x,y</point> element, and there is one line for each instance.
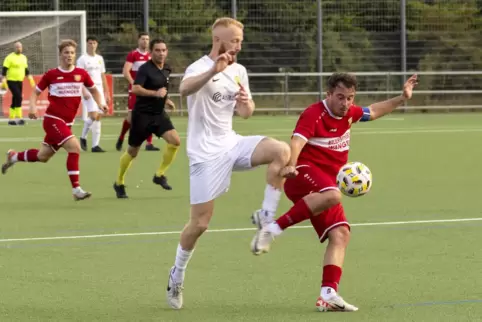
<point>160,233</point>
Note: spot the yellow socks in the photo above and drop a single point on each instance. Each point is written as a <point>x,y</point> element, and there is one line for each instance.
<point>168,156</point>
<point>125,163</point>
<point>19,112</point>
<point>12,113</point>
<point>15,113</point>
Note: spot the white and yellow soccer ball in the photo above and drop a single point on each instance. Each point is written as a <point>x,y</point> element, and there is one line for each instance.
<point>354,179</point>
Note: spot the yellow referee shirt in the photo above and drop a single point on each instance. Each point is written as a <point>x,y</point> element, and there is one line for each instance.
<point>16,64</point>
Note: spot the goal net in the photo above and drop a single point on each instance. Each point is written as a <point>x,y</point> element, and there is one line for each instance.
<point>40,32</point>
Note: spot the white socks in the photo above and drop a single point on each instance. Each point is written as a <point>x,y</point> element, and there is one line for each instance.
<point>271,199</point>
<point>274,229</point>
<point>182,258</point>
<point>95,133</point>
<point>87,124</point>
<point>327,292</point>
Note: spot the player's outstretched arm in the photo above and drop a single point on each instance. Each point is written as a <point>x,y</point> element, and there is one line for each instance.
<point>193,84</point>
<point>296,145</point>
<point>380,109</point>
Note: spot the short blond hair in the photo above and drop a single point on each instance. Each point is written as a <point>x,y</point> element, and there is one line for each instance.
<point>226,22</point>
<point>67,43</point>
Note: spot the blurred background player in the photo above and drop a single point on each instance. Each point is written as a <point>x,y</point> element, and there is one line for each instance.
<point>149,116</point>
<point>15,68</point>
<point>135,59</point>
<point>213,147</point>
<point>319,148</point>
<point>91,113</point>
<point>65,84</point>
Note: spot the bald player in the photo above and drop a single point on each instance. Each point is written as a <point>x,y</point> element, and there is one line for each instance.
<point>15,68</point>
<point>216,87</point>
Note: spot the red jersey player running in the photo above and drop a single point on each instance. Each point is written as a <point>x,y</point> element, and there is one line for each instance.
<point>135,59</point>
<point>65,85</point>
<point>319,148</point>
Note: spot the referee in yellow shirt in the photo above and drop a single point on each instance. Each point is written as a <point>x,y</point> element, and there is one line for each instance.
<point>15,68</point>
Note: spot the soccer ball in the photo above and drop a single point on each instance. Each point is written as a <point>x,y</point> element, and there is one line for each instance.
<point>354,179</point>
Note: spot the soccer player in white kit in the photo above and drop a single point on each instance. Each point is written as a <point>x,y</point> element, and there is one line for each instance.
<point>216,87</point>
<point>91,113</point>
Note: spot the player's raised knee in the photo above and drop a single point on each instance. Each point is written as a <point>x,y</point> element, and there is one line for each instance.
<point>332,197</point>
<point>284,152</point>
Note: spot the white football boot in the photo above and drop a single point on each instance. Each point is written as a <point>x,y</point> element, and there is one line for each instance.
<point>334,304</point>
<point>262,241</point>
<point>174,292</point>
<point>9,162</point>
<point>79,194</point>
<point>261,218</point>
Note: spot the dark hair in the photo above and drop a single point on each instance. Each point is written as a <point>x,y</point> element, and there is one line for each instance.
<point>348,80</point>
<point>93,38</point>
<point>142,34</point>
<point>154,42</point>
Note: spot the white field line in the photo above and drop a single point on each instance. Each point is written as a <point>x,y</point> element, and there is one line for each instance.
<point>160,233</point>
<point>274,132</point>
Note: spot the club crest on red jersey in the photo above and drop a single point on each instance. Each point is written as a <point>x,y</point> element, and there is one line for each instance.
<point>77,78</point>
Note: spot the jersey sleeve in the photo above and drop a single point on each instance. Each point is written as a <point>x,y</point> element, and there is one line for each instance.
<point>102,63</point>
<point>360,114</point>
<point>88,82</point>
<point>194,70</point>
<point>44,81</point>
<point>305,127</point>
<point>141,76</point>
<point>7,62</point>
<point>130,57</point>
<point>245,82</point>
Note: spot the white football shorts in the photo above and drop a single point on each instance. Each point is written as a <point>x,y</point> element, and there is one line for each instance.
<point>89,105</point>
<point>210,179</point>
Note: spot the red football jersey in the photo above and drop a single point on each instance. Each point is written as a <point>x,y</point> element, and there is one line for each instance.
<point>65,92</point>
<point>137,58</point>
<point>327,136</point>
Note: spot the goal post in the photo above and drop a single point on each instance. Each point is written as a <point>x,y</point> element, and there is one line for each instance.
<point>40,32</point>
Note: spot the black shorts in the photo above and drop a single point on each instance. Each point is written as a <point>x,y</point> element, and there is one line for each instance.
<point>144,124</point>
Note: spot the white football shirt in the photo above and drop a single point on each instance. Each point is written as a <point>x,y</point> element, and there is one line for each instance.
<point>211,109</point>
<point>94,65</point>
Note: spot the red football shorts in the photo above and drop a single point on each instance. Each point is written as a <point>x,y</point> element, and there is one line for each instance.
<point>131,101</point>
<point>311,179</point>
<point>56,132</point>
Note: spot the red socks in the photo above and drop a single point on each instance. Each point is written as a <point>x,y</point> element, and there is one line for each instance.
<point>125,128</point>
<point>298,213</point>
<point>149,139</point>
<point>331,276</point>
<point>28,156</point>
<point>73,169</point>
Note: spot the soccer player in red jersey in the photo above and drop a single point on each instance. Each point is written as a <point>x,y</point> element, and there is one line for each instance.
<point>65,85</point>
<point>134,60</point>
<point>319,148</point>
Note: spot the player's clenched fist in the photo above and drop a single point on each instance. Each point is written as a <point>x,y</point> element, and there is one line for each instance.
<point>223,61</point>
<point>162,92</point>
<point>408,87</point>
<point>242,96</point>
<point>32,113</point>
